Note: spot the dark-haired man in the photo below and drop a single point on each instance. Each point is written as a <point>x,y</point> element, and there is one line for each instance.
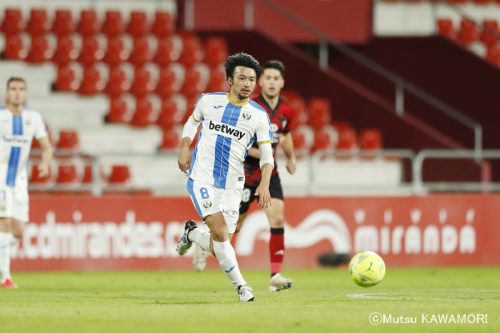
<point>281,115</point>
<point>271,81</point>
<point>18,126</point>
<point>232,123</point>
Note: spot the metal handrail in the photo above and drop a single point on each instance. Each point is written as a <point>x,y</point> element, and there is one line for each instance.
<point>416,185</point>
<point>400,83</point>
<point>380,154</point>
<point>419,187</point>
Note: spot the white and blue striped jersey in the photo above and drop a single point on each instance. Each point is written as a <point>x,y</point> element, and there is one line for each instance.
<point>228,130</point>
<point>17,133</point>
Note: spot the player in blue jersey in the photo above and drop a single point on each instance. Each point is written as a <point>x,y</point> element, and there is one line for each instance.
<point>231,124</point>
<point>18,126</point>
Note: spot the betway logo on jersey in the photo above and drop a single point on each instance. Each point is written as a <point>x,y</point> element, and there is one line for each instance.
<point>226,129</point>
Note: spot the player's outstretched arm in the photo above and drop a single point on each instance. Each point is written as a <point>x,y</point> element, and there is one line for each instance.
<point>47,154</point>
<point>188,133</point>
<point>184,159</point>
<point>287,146</point>
<point>266,166</point>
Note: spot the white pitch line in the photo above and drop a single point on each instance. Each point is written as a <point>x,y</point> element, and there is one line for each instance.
<point>382,296</point>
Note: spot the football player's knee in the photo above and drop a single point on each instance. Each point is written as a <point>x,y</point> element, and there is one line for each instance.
<point>220,233</point>
<point>5,224</point>
<point>277,221</point>
<point>18,234</point>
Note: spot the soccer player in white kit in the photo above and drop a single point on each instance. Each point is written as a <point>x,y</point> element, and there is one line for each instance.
<point>18,127</point>
<point>231,123</point>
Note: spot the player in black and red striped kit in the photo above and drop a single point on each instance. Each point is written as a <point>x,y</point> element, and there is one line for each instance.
<point>281,116</point>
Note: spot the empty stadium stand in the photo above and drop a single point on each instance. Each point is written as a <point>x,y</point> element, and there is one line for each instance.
<point>118,83</point>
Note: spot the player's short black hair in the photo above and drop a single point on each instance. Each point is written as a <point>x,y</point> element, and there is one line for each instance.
<point>241,59</point>
<point>275,64</point>
<point>15,79</point>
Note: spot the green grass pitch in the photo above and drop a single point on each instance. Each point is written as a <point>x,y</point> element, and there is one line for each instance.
<point>322,300</point>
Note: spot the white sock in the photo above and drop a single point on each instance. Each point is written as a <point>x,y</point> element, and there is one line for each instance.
<point>5,239</point>
<point>224,252</point>
<point>201,237</point>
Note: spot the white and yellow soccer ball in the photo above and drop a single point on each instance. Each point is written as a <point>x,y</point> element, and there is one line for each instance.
<point>367,269</point>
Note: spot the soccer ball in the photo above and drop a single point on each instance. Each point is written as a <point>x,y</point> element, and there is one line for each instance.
<point>367,269</point>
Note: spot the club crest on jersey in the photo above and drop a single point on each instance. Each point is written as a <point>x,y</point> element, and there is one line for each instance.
<point>226,129</point>
<point>247,115</point>
<point>207,204</point>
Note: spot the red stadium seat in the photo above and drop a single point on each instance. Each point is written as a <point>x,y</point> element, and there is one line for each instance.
<point>192,50</point>
<point>445,28</point>
<point>37,179</point>
<point>493,55</point>
<point>166,52</point>
<point>370,139</point>
<point>91,51</point>
<point>169,113</point>
<point>91,81</point>
<point>216,51</point>
<point>39,51</point>
<point>170,140</point>
<point>490,33</point>
<point>217,81</point>
<point>12,23</point>
<point>144,113</point>
<point>295,100</point>
<point>192,83</point>
<point>115,52</point>
<point>142,83</point>
<point>319,112</point>
<point>88,24</point>
<point>482,2</point>
<point>14,48</point>
<point>67,174</point>
<point>190,104</point>
<point>66,79</point>
<point>303,138</point>
<point>468,32</point>
<point>117,82</point>
<point>138,25</point>
<point>324,139</point>
<point>113,25</point>
<point>68,139</point>
<point>118,111</point>
<point>120,174</point>
<point>38,23</point>
<point>168,82</point>
<point>141,52</point>
<point>63,24</point>
<point>163,25</point>
<point>87,176</point>
<point>347,138</point>
<point>65,51</point>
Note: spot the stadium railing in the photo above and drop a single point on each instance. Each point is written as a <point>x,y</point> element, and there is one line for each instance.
<point>421,187</point>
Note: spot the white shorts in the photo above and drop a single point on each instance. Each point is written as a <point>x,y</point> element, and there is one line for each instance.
<point>209,200</point>
<point>14,203</point>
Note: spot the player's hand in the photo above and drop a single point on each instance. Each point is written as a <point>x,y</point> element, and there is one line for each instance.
<point>262,192</point>
<point>184,160</point>
<point>291,166</point>
<point>43,170</point>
